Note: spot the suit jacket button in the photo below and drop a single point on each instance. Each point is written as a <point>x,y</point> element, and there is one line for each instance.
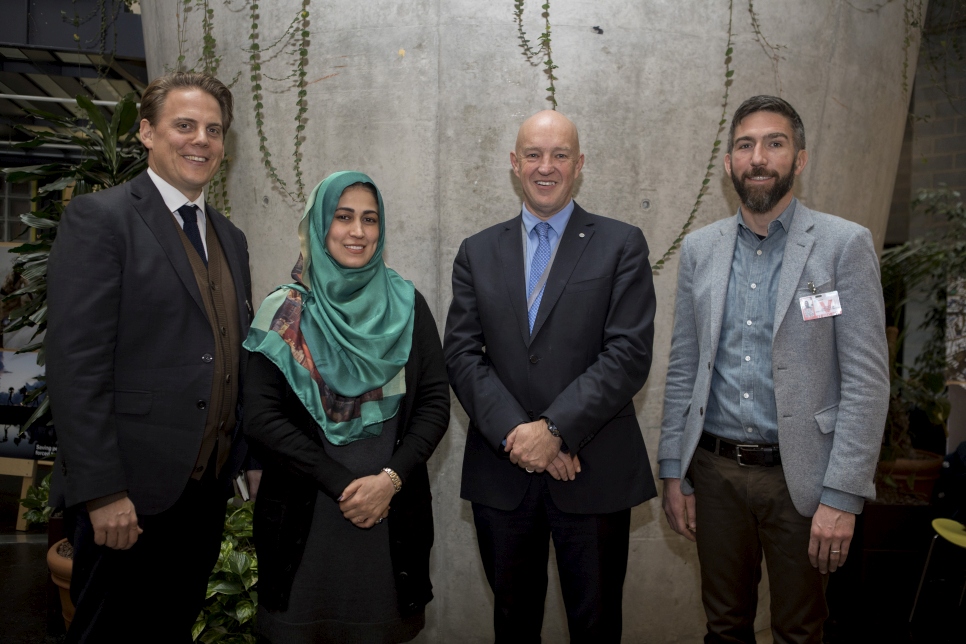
<point>534,359</point>
<point>206,358</point>
<point>202,405</point>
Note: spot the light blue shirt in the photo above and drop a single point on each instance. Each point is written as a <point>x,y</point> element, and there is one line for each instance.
<point>741,407</point>
<point>558,224</point>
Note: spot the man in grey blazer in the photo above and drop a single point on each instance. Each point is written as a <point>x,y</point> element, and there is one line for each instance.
<point>777,388</point>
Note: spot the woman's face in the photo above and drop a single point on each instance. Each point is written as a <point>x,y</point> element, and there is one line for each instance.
<point>354,231</point>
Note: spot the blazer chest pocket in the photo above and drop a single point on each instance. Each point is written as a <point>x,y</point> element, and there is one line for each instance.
<point>132,402</point>
<point>588,285</point>
<point>821,284</point>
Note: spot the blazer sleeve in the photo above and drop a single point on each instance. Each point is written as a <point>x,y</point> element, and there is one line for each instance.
<point>483,395</point>
<point>84,274</point>
<point>682,370</point>
<point>621,368</point>
<point>428,415</point>
<point>863,358</point>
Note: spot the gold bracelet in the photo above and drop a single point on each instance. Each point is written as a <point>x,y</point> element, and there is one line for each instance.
<point>396,481</point>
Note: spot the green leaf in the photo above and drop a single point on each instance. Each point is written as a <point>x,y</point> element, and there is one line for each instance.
<point>224,587</point>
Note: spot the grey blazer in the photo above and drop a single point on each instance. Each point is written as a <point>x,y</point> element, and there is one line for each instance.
<point>831,374</point>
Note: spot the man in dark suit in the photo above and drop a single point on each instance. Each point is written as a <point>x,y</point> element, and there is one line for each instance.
<point>149,300</point>
<point>548,339</point>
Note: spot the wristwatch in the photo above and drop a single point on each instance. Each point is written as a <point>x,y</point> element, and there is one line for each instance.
<point>553,428</point>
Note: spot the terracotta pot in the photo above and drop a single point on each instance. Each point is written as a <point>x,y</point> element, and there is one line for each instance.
<point>60,570</point>
<point>915,476</point>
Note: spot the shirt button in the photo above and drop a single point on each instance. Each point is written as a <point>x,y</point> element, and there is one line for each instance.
<point>754,286</point>
<point>750,429</point>
<point>747,358</point>
<point>206,358</point>
<point>228,379</point>
<point>224,331</point>
<point>746,395</point>
<point>758,252</point>
<point>748,322</point>
<point>200,468</point>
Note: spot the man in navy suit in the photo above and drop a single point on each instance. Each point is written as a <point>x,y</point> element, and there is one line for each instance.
<point>149,300</point>
<point>548,338</point>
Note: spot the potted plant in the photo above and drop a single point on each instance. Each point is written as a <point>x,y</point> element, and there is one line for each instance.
<point>930,269</point>
<point>232,599</point>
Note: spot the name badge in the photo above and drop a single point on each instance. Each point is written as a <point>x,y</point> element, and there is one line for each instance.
<point>820,305</point>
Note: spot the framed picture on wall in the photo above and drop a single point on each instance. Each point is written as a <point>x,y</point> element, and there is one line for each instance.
<point>19,375</point>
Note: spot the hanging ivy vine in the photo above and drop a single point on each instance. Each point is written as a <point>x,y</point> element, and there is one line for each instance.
<point>715,148</point>
<point>543,54</point>
<point>298,34</point>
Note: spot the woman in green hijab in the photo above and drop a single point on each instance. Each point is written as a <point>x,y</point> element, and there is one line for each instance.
<point>346,397</point>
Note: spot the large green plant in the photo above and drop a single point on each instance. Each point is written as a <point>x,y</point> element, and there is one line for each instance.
<point>931,270</point>
<point>229,611</point>
<point>109,154</point>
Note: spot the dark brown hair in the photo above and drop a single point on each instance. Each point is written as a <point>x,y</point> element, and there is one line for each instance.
<point>774,104</point>
<point>152,101</point>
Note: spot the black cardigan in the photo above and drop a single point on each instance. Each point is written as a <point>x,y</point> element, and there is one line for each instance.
<point>288,442</point>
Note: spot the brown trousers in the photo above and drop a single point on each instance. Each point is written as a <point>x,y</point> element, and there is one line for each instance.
<point>742,513</point>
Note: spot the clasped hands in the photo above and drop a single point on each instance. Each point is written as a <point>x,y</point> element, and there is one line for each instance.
<point>365,501</point>
<point>534,448</point>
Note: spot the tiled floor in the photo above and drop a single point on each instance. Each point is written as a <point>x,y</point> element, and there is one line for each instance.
<point>23,576</point>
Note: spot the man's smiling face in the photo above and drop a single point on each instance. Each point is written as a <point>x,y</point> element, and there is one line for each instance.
<point>187,144</point>
<point>547,161</point>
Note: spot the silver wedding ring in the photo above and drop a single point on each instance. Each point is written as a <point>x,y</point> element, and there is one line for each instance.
<point>379,520</point>
<point>835,552</point>
<point>529,471</point>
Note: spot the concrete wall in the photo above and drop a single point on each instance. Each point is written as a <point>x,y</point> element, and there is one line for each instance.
<point>426,96</point>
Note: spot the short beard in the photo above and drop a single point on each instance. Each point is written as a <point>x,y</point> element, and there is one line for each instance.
<point>762,200</point>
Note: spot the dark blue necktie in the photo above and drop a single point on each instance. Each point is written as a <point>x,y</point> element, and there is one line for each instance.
<point>537,265</point>
<point>189,214</point>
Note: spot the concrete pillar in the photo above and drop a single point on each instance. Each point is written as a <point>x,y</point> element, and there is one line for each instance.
<point>426,96</point>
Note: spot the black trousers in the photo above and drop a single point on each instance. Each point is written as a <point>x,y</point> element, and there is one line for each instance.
<point>591,554</point>
<point>153,591</point>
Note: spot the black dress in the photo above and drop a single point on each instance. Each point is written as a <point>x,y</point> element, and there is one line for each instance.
<point>321,579</point>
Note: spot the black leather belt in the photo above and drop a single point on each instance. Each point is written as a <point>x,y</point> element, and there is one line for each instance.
<point>763,455</point>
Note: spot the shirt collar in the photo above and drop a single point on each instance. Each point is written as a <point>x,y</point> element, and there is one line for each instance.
<point>558,222</point>
<point>173,198</point>
<point>784,220</point>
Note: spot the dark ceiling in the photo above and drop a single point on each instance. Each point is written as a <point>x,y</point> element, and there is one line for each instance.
<point>61,49</point>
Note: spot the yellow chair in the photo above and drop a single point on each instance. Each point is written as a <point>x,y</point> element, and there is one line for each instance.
<point>955,533</point>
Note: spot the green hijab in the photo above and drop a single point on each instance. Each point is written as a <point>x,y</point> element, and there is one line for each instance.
<point>340,336</point>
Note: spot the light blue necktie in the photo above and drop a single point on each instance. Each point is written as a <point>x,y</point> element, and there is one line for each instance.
<point>539,263</point>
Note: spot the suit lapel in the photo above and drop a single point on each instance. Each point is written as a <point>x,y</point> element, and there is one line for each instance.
<point>511,256</point>
<point>150,206</point>
<point>579,231</point>
<point>798,246</point>
<point>722,256</point>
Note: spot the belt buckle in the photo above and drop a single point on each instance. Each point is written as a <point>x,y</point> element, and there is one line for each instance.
<point>738,449</point>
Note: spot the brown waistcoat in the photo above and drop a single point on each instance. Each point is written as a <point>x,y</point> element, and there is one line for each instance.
<point>218,294</point>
